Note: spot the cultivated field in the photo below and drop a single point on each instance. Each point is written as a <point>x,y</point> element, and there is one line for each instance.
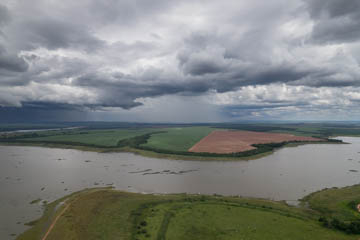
<point>177,139</point>
<point>240,141</point>
<point>101,138</point>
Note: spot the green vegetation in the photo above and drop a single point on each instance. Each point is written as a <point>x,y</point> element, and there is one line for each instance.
<point>222,221</point>
<point>96,138</point>
<point>177,139</point>
<point>161,140</point>
<point>321,130</point>
<point>338,207</point>
<point>110,214</point>
<point>260,149</point>
<point>325,129</point>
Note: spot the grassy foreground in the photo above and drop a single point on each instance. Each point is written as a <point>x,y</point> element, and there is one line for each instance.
<point>111,214</point>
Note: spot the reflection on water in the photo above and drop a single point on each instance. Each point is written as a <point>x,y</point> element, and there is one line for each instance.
<point>30,173</point>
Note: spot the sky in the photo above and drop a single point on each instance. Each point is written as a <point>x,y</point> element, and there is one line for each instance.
<point>179,61</point>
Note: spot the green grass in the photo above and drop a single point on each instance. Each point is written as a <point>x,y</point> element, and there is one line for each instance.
<point>323,130</point>
<point>302,131</point>
<point>109,214</point>
<point>178,139</point>
<point>217,221</point>
<point>337,203</point>
<point>108,138</point>
<point>93,214</point>
<point>338,208</point>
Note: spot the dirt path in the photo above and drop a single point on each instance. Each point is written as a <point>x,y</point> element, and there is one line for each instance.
<point>54,222</point>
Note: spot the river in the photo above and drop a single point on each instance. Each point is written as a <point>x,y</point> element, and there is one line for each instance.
<point>29,173</point>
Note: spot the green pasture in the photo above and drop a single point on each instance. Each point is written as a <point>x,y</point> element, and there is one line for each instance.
<point>108,138</point>
<point>110,214</point>
<point>177,139</point>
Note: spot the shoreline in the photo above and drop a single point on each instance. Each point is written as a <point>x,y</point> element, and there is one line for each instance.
<point>153,154</point>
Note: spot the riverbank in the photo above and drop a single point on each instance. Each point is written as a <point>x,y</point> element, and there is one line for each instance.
<point>153,154</point>
<point>111,214</point>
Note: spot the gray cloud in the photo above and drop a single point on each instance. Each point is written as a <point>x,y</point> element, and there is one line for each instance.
<point>200,63</point>
<point>126,12</point>
<point>55,34</point>
<point>12,63</point>
<point>335,21</point>
<point>333,8</point>
<point>4,15</point>
<point>91,55</point>
<point>44,112</point>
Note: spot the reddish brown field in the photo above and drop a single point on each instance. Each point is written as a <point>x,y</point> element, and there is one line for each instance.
<point>239,141</point>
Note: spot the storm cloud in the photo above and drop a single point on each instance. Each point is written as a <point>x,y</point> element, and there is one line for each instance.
<point>335,21</point>
<point>124,55</point>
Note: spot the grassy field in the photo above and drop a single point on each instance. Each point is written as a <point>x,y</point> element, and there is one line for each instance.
<point>322,130</point>
<point>108,138</point>
<point>338,207</point>
<point>222,221</point>
<point>109,214</point>
<point>178,139</point>
<point>337,203</point>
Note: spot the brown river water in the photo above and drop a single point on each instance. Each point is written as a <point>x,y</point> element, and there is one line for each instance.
<point>29,173</point>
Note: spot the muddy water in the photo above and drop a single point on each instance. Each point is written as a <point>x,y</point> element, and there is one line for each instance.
<point>29,173</point>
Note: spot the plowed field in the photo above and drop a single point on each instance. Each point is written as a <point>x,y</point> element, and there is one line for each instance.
<point>239,141</point>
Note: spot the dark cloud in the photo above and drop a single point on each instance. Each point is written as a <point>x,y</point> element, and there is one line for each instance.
<point>5,16</point>
<point>279,74</point>
<point>55,34</point>
<point>127,12</point>
<point>45,112</point>
<point>335,21</point>
<point>333,8</point>
<point>122,90</point>
<point>12,63</point>
<point>200,65</point>
<point>91,55</point>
